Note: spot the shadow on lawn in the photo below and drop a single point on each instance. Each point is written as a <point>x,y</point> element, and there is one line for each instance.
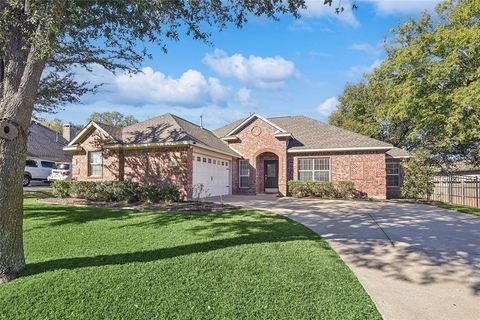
<point>229,229</point>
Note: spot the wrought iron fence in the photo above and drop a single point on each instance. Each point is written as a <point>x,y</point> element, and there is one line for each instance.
<point>455,189</point>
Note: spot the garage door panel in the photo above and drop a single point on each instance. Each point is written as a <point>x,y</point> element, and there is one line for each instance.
<point>213,173</point>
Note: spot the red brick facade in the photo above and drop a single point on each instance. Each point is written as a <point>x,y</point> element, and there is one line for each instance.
<point>256,142</point>
<point>366,169</point>
<point>148,165</point>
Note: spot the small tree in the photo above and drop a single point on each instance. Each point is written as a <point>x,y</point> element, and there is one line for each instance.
<point>418,180</point>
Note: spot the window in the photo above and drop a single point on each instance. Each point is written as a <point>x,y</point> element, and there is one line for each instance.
<point>243,173</point>
<point>47,164</point>
<point>209,160</point>
<point>214,161</point>
<point>317,169</point>
<point>204,159</point>
<point>223,163</point>
<point>31,163</point>
<point>95,164</point>
<point>199,159</point>
<point>393,172</point>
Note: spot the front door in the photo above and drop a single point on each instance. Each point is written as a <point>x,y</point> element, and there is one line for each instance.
<point>271,175</point>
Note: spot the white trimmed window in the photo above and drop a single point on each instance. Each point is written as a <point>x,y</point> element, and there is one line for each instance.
<point>393,174</point>
<point>95,164</point>
<point>317,169</point>
<point>243,174</point>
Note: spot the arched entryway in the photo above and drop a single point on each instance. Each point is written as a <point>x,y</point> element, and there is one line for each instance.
<point>268,168</point>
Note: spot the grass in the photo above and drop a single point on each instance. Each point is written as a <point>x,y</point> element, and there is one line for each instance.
<point>97,263</point>
<point>459,208</point>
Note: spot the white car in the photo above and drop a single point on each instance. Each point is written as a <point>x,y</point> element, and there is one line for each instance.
<point>37,169</point>
<point>62,171</point>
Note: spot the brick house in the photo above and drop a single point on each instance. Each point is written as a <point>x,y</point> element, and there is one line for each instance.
<point>249,156</point>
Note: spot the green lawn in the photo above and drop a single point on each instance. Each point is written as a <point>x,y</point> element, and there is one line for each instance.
<point>459,208</point>
<point>95,263</point>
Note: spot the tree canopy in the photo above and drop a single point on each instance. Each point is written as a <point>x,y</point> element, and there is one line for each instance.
<point>114,118</point>
<point>426,93</point>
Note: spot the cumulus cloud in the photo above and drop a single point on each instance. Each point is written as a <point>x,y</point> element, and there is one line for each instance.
<point>191,89</point>
<point>262,72</point>
<point>317,9</point>
<point>244,97</point>
<point>328,106</point>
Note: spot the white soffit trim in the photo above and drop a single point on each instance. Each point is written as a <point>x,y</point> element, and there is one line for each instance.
<point>340,149</point>
<point>254,115</point>
<point>85,130</point>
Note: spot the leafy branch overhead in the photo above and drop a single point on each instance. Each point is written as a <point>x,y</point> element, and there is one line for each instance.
<point>76,34</point>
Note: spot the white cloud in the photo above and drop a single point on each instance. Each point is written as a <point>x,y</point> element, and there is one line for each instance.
<point>244,97</point>
<point>402,6</point>
<point>191,89</point>
<point>263,72</point>
<point>328,106</point>
<point>317,9</point>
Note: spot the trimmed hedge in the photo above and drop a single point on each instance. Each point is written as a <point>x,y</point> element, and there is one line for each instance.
<point>114,191</point>
<point>325,190</point>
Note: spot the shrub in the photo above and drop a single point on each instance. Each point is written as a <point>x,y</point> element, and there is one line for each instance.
<point>109,191</point>
<point>324,190</point>
<point>418,179</point>
<point>61,188</point>
<point>345,189</point>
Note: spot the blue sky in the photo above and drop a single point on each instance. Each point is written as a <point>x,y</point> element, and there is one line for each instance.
<point>275,68</point>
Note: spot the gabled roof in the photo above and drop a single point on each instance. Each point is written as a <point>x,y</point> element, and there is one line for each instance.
<point>398,153</point>
<point>251,118</point>
<point>312,135</point>
<point>166,129</point>
<point>44,143</point>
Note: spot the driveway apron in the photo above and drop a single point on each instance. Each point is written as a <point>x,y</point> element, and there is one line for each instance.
<point>415,261</point>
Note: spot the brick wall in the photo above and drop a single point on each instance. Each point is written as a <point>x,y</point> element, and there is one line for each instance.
<point>157,166</point>
<point>112,160</point>
<point>256,141</point>
<point>366,169</point>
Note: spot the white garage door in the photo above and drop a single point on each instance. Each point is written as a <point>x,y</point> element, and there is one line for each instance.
<point>213,173</point>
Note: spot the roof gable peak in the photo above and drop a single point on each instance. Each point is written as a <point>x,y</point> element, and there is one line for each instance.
<point>249,119</point>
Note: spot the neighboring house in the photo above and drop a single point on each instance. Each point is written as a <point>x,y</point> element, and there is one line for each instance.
<point>249,156</point>
<point>461,168</point>
<point>46,144</point>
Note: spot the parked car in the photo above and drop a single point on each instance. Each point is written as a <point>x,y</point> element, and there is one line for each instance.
<point>37,169</point>
<point>62,171</point>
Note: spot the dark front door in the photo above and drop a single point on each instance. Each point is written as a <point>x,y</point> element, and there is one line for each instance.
<point>271,175</point>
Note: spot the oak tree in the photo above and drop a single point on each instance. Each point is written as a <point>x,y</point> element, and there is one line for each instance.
<point>43,41</point>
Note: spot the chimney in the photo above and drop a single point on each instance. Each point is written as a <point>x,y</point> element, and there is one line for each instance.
<point>68,131</point>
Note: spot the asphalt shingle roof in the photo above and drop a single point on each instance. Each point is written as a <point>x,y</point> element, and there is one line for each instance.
<point>44,143</point>
<point>168,128</point>
<point>309,133</point>
<point>397,153</point>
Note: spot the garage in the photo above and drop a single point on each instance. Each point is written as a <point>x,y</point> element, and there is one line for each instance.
<point>213,173</point>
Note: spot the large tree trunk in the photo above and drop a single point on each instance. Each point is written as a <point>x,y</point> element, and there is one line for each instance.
<point>18,87</point>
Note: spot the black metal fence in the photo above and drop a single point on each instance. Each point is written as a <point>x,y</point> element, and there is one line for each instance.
<point>461,190</point>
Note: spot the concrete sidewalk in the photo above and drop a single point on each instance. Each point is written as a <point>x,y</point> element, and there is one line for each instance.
<point>416,261</point>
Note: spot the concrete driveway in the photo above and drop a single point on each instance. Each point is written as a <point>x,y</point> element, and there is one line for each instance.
<point>416,261</point>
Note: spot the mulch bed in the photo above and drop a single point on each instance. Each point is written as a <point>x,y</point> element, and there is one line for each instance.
<point>185,206</point>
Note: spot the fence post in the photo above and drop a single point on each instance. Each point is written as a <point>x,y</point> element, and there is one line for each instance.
<point>476,190</point>
<point>462,192</point>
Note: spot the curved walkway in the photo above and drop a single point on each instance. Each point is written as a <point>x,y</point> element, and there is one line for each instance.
<point>416,261</point>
